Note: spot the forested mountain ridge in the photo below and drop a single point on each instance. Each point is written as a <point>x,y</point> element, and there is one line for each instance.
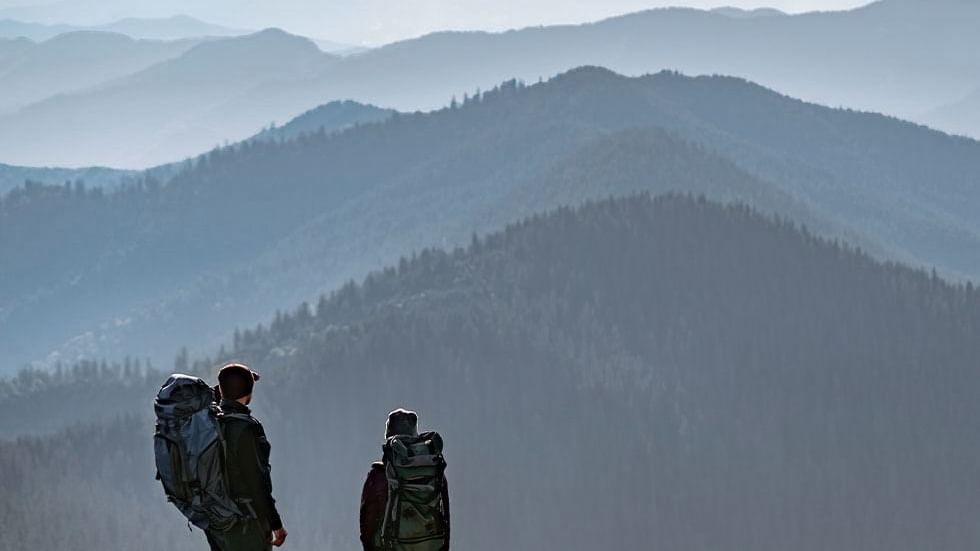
<point>335,116</point>
<point>12,177</point>
<point>249,228</point>
<point>332,117</point>
<point>701,376</point>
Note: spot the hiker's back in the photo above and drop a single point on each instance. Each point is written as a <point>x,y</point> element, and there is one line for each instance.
<point>248,451</point>
<point>405,501</point>
<point>416,511</point>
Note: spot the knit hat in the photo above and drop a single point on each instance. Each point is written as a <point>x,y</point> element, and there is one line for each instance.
<point>236,381</point>
<point>402,421</point>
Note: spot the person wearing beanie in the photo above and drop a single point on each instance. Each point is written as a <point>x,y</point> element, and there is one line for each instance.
<point>374,496</point>
<point>247,463</point>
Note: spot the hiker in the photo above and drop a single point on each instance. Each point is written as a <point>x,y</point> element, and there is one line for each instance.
<point>417,517</point>
<point>213,461</point>
<point>247,464</point>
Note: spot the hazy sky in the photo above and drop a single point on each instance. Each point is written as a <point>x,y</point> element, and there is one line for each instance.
<point>373,21</point>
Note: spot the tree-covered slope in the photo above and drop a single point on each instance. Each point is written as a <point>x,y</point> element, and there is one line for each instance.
<point>331,117</point>
<point>246,229</point>
<point>335,116</point>
<point>636,373</point>
<point>12,177</point>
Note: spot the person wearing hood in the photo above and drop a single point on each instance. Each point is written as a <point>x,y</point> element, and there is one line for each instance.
<point>402,425</point>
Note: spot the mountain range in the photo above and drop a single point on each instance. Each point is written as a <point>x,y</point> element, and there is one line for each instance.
<point>665,372</point>
<point>167,28</point>
<point>188,100</point>
<point>73,62</point>
<point>330,118</point>
<point>643,309</point>
<point>148,268</point>
<point>923,52</point>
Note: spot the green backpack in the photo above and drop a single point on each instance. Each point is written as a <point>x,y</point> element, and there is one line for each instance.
<point>414,514</point>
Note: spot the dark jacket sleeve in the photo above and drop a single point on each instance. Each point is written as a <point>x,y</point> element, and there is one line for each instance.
<point>445,510</point>
<point>374,496</point>
<point>255,474</point>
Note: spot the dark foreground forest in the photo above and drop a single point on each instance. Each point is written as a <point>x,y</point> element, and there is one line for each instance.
<point>639,373</point>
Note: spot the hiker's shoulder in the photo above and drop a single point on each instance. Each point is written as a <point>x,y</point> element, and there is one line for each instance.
<point>375,481</point>
<point>377,471</point>
<point>240,424</point>
<point>244,418</point>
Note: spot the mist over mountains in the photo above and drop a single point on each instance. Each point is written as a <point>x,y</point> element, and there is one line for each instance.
<point>924,53</point>
<point>189,100</point>
<point>329,118</point>
<point>634,353</point>
<point>72,62</point>
<point>961,116</point>
<point>247,229</point>
<point>646,308</point>
<point>167,28</point>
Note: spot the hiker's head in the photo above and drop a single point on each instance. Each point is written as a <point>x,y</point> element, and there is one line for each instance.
<point>402,421</point>
<point>235,381</point>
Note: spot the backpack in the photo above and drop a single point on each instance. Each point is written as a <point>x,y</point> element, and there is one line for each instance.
<point>414,513</point>
<point>190,453</point>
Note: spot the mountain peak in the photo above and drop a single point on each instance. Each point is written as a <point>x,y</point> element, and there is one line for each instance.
<point>267,44</point>
<point>588,73</point>
<point>88,38</point>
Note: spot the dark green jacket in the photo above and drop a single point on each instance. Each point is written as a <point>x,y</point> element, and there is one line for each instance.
<point>249,472</point>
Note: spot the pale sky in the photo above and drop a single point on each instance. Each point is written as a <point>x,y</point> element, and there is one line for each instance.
<point>373,22</point>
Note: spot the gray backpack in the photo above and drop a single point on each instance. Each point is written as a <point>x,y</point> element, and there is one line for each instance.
<point>414,514</point>
<point>190,454</point>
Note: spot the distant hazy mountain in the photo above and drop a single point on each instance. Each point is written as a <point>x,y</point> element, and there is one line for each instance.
<point>168,28</point>
<point>925,54</point>
<point>331,117</point>
<point>262,224</point>
<point>663,373</point>
<point>172,110</point>
<point>69,63</point>
<point>10,48</point>
<point>10,28</point>
<point>959,117</point>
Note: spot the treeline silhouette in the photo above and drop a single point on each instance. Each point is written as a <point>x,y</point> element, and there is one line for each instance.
<point>48,400</point>
<point>643,372</point>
